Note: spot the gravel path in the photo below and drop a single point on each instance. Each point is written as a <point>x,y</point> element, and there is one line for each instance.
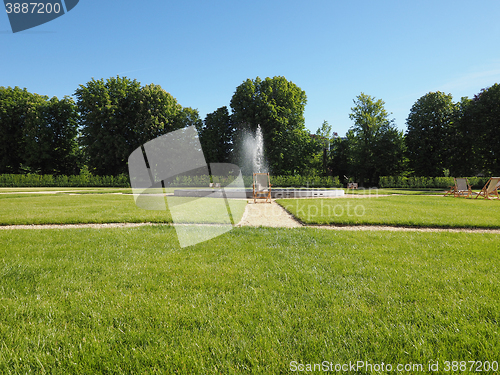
<point>265,215</point>
<point>273,215</point>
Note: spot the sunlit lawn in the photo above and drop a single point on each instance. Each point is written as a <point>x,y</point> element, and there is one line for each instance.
<point>130,300</point>
<point>394,191</point>
<point>251,301</point>
<point>101,208</point>
<point>426,211</point>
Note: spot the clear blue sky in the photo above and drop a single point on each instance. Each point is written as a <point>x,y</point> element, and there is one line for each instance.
<point>200,51</point>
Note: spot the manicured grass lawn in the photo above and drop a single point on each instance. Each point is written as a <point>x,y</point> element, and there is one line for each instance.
<point>251,301</point>
<point>395,191</point>
<point>71,209</point>
<point>426,211</point>
<point>92,208</point>
<point>82,190</point>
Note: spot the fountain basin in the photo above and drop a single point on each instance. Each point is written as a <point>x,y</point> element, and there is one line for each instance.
<point>248,193</point>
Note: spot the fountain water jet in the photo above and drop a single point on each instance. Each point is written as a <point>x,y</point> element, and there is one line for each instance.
<point>253,152</point>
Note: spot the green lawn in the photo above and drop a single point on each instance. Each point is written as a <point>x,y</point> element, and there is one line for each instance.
<point>65,208</point>
<point>254,300</point>
<point>82,190</point>
<point>394,191</point>
<point>71,209</point>
<point>250,301</point>
<point>421,211</point>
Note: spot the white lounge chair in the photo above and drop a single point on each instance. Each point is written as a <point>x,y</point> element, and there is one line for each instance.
<point>462,188</point>
<point>490,189</point>
<point>261,187</point>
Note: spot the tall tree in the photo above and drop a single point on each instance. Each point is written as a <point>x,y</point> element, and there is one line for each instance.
<point>108,116</point>
<point>277,105</point>
<point>341,163</point>
<point>50,136</point>
<point>460,155</point>
<point>157,114</point>
<point>118,115</point>
<point>485,109</point>
<point>428,124</point>
<point>37,134</point>
<point>323,140</point>
<point>375,143</point>
<point>216,136</point>
<point>14,104</point>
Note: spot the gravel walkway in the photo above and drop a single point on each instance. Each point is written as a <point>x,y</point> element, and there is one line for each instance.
<point>273,215</point>
<point>265,215</point>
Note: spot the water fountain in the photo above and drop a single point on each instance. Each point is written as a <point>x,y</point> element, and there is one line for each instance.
<point>253,161</point>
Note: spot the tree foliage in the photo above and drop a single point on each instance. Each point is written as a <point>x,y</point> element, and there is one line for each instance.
<point>216,136</point>
<point>14,104</point>
<point>115,116</point>
<point>460,154</point>
<point>429,123</point>
<point>50,136</point>
<point>323,141</point>
<point>109,118</point>
<point>118,115</point>
<point>484,117</point>
<point>375,145</point>
<point>277,105</point>
<point>37,134</point>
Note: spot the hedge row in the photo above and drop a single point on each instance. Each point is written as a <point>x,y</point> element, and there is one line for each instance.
<point>303,181</point>
<point>427,182</point>
<point>277,181</point>
<point>89,180</point>
<point>47,180</point>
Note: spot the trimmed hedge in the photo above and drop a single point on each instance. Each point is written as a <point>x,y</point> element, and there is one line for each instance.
<point>277,181</point>
<point>47,180</point>
<point>427,182</point>
<point>89,180</point>
<point>304,181</point>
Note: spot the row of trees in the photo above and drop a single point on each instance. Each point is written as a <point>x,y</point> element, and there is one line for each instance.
<point>37,133</point>
<point>107,122</point>
<point>442,137</point>
<point>118,115</point>
<point>461,138</point>
<point>112,117</point>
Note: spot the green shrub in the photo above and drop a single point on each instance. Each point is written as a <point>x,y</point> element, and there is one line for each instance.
<point>277,181</point>
<point>427,182</point>
<point>86,179</point>
<point>81,180</point>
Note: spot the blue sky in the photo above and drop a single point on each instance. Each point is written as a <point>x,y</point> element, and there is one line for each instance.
<point>200,51</point>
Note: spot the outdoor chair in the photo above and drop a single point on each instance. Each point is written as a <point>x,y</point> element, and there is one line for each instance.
<point>261,187</point>
<point>451,190</point>
<point>490,189</point>
<point>462,188</point>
